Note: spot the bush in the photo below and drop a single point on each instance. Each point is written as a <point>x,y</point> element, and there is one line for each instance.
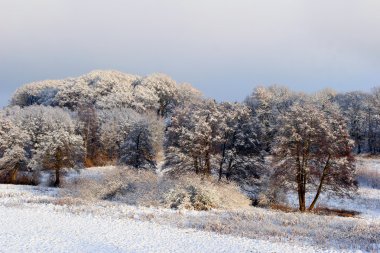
<point>196,194</point>
<point>145,188</point>
<point>191,197</point>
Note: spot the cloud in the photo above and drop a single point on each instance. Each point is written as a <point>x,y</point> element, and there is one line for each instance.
<point>225,49</point>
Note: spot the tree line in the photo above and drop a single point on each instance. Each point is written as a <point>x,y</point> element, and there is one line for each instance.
<point>277,137</point>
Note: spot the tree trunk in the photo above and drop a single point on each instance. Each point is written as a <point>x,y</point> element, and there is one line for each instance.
<point>57,179</point>
<point>207,170</point>
<point>300,180</point>
<point>370,146</point>
<point>137,160</point>
<point>196,165</point>
<point>301,194</point>
<point>229,172</point>
<point>222,161</point>
<point>14,176</point>
<point>324,174</point>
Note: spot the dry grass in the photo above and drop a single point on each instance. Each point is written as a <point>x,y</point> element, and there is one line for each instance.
<point>335,212</point>
<point>145,188</point>
<point>23,178</point>
<point>320,210</point>
<point>196,194</point>
<point>329,232</point>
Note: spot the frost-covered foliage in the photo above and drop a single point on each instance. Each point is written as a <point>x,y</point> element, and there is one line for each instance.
<point>165,89</point>
<point>137,149</point>
<point>203,195</point>
<point>146,188</point>
<point>312,151</point>
<point>191,136</point>
<point>354,108</point>
<point>267,105</point>
<point>105,90</point>
<point>206,137</point>
<point>115,125</point>
<point>38,93</point>
<point>131,138</point>
<point>362,111</point>
<point>13,141</point>
<point>239,146</point>
<point>88,126</point>
<point>52,142</point>
<point>145,122</point>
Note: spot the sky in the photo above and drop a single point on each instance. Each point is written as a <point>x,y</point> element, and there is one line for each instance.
<point>224,48</point>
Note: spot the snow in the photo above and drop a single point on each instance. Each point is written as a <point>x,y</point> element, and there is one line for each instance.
<point>39,229</point>
<point>366,200</point>
<point>43,219</point>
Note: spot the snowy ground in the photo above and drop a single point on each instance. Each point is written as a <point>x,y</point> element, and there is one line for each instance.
<point>40,219</point>
<point>40,230</point>
<point>31,221</point>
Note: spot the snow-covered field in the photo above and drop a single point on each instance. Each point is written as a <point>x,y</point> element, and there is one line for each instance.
<point>43,219</point>
<point>40,230</point>
<point>41,225</point>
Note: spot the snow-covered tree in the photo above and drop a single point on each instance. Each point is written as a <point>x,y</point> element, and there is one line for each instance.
<point>207,136</point>
<point>88,128</point>
<point>156,93</point>
<point>54,143</point>
<point>373,120</point>
<point>121,136</point>
<point>138,148</point>
<point>312,151</point>
<point>12,148</point>
<point>115,125</point>
<point>239,147</point>
<point>267,105</point>
<point>104,89</point>
<point>38,93</point>
<point>354,106</point>
<point>75,94</point>
<point>193,136</point>
<point>187,94</point>
<point>165,89</point>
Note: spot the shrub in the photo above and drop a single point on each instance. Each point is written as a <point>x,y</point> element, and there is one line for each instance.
<point>190,197</point>
<point>197,194</point>
<point>145,188</point>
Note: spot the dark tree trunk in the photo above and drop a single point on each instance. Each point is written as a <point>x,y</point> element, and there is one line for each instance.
<point>207,163</point>
<point>222,161</point>
<point>229,169</point>
<point>58,166</point>
<point>301,193</point>
<point>137,160</point>
<point>57,177</point>
<point>324,174</point>
<point>14,173</point>
<point>196,165</point>
<point>300,180</point>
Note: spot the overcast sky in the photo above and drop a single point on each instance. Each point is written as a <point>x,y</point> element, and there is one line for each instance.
<point>224,48</point>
